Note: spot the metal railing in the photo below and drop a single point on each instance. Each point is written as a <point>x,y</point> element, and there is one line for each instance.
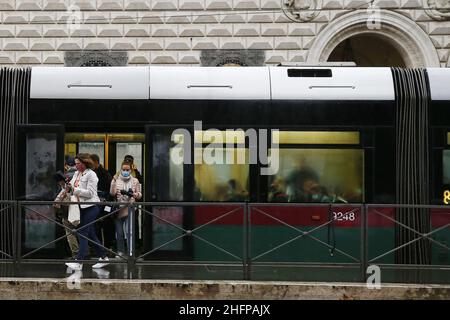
<point>249,236</point>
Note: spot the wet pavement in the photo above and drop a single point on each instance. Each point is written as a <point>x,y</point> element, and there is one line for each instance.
<point>179,271</point>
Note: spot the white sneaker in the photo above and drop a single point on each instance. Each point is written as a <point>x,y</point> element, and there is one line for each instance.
<point>102,262</point>
<point>75,266</point>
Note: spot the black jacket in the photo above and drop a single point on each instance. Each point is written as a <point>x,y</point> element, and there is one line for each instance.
<point>104,181</point>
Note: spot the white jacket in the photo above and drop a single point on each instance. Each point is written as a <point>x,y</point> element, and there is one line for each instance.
<point>87,187</point>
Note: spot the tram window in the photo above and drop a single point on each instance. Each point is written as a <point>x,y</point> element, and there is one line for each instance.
<point>446,167</point>
<point>70,149</point>
<point>318,175</point>
<point>97,148</point>
<point>132,148</point>
<point>40,166</point>
<point>225,180</point>
<point>317,137</point>
<point>167,176</point>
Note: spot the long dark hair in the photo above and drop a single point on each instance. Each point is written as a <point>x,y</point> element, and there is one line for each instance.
<point>86,159</point>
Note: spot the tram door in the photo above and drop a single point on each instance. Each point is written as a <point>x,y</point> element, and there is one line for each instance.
<point>111,148</point>
<point>166,181</point>
<point>40,151</point>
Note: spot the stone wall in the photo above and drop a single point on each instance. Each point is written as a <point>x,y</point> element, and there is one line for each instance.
<point>34,32</point>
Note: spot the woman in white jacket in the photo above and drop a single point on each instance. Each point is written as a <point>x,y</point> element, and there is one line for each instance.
<point>84,187</point>
<point>125,188</point>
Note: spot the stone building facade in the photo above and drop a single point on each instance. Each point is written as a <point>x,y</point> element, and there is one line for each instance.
<point>410,33</point>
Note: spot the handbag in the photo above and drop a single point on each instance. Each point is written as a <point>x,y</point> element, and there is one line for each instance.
<point>74,211</point>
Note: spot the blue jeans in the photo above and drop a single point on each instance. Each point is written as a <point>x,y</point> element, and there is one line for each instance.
<point>87,215</point>
<point>119,223</point>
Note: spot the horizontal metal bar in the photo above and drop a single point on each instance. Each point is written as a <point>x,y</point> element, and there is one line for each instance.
<point>188,263</point>
<point>306,264</point>
<point>29,261</point>
<point>414,266</point>
<point>424,206</point>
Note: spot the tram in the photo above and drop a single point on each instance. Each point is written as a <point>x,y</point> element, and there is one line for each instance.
<point>344,135</point>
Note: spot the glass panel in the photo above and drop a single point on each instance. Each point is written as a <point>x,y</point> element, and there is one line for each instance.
<point>167,177</point>
<point>40,166</point>
<point>446,167</point>
<point>316,137</point>
<point>164,232</point>
<point>39,230</point>
<point>223,181</point>
<point>132,148</point>
<point>445,192</point>
<point>70,149</point>
<point>97,148</point>
<point>318,175</point>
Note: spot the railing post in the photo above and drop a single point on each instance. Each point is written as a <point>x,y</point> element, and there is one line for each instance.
<point>248,240</point>
<point>245,244</point>
<point>364,242</point>
<point>17,212</point>
<point>130,241</point>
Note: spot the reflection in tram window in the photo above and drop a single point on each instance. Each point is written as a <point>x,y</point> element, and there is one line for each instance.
<point>39,230</point>
<point>39,170</point>
<point>164,230</point>
<point>226,181</point>
<point>40,166</point>
<point>167,176</point>
<point>318,175</point>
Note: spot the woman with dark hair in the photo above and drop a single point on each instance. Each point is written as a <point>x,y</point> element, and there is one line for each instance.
<point>84,187</point>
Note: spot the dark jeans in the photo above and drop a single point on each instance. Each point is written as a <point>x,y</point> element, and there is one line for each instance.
<point>105,229</point>
<point>87,215</point>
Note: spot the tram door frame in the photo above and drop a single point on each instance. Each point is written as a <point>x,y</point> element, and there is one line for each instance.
<point>186,252</point>
<point>22,131</point>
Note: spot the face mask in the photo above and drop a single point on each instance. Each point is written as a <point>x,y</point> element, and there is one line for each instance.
<point>125,174</point>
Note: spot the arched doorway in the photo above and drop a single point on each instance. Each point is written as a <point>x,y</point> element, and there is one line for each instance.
<point>412,44</point>
<point>368,50</point>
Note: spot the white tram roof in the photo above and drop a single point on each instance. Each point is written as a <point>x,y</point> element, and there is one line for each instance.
<point>224,83</point>
<point>439,83</point>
